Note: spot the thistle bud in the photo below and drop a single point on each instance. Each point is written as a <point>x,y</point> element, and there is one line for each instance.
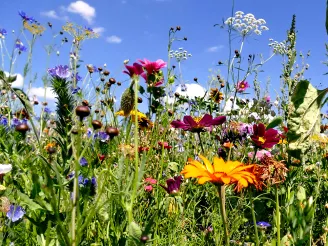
<point>127,101</point>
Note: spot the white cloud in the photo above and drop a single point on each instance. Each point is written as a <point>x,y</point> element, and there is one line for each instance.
<point>53,15</point>
<point>192,91</point>
<point>39,92</point>
<point>98,30</point>
<point>86,11</point>
<point>114,39</point>
<point>215,48</point>
<point>18,82</point>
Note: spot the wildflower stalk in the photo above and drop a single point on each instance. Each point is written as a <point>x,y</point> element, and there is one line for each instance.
<point>277,216</point>
<point>257,241</point>
<point>136,153</point>
<point>201,143</point>
<point>221,189</point>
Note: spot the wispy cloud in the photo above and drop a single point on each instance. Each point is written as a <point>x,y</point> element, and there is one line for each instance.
<point>214,48</point>
<point>53,15</point>
<point>100,30</point>
<point>114,39</point>
<point>83,9</point>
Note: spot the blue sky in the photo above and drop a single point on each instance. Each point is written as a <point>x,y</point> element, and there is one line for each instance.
<point>134,29</point>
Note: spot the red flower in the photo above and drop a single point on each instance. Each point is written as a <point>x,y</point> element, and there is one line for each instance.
<point>264,138</point>
<point>164,145</point>
<point>142,149</point>
<point>135,69</point>
<point>101,157</point>
<point>198,124</point>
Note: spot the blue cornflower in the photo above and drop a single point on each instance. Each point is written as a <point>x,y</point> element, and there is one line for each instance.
<point>3,32</point>
<point>25,17</point>
<point>60,71</point>
<point>15,213</point>
<point>75,90</point>
<point>89,132</point>
<point>24,121</point>
<point>47,110</point>
<point>93,182</point>
<point>71,175</point>
<point>263,224</point>
<point>77,77</point>
<point>15,122</point>
<point>20,46</point>
<point>3,121</point>
<point>85,181</point>
<point>83,162</point>
<point>88,29</point>
<point>80,179</point>
<point>103,136</point>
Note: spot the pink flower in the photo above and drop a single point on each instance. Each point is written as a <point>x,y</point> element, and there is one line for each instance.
<point>135,69</point>
<point>267,99</point>
<point>158,83</point>
<point>148,188</point>
<point>150,181</point>
<point>242,86</point>
<point>152,67</point>
<point>260,154</point>
<point>164,145</point>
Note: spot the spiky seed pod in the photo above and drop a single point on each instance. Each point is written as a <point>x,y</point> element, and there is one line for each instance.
<point>127,101</point>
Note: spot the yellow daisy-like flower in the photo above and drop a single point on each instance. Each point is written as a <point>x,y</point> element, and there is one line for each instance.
<point>143,121</point>
<point>216,95</point>
<point>133,113</point>
<point>221,172</point>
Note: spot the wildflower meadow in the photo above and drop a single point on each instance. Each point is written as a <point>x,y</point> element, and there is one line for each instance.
<point>144,153</point>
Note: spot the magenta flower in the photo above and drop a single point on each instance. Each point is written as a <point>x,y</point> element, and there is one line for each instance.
<point>135,69</point>
<point>152,67</point>
<point>173,185</point>
<point>264,138</point>
<point>242,86</point>
<point>158,83</point>
<point>198,124</point>
<point>259,154</point>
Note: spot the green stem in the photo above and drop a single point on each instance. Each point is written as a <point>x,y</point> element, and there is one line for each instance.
<point>277,216</point>
<point>254,219</point>
<point>224,214</point>
<point>201,143</point>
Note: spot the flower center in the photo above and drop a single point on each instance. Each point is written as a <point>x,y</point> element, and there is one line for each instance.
<point>242,86</point>
<point>262,140</point>
<point>197,119</point>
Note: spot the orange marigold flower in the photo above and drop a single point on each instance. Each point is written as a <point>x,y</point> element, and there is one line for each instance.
<point>221,172</point>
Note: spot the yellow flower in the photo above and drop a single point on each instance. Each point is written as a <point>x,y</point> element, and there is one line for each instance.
<point>220,172</point>
<point>143,121</point>
<point>34,28</point>
<point>133,113</point>
<point>216,95</point>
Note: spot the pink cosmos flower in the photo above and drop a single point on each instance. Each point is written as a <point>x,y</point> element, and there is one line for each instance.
<point>260,154</point>
<point>242,86</point>
<point>158,83</point>
<point>152,67</point>
<point>150,181</point>
<point>135,69</point>
<point>148,188</point>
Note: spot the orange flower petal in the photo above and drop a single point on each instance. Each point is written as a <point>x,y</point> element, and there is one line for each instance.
<point>207,163</point>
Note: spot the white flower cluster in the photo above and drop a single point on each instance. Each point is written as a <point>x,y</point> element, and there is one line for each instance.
<point>179,54</point>
<point>246,24</point>
<point>278,47</point>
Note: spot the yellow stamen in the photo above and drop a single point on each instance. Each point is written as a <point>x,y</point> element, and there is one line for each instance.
<point>262,140</point>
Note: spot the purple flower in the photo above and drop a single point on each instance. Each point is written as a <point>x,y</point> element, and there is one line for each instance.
<point>85,182</point>
<point>60,72</point>
<point>47,110</point>
<point>71,175</point>
<point>263,224</point>
<point>83,162</point>
<point>93,182</point>
<point>3,121</point>
<point>80,179</point>
<point>77,77</point>
<point>89,132</point>
<point>103,136</point>
<point>173,185</point>
<point>198,124</point>
<point>15,122</point>
<point>15,213</point>
<point>20,46</point>
<point>25,17</point>
<point>3,32</point>
<point>75,90</point>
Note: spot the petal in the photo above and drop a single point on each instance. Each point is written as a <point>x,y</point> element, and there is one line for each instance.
<point>226,179</point>
<point>178,124</point>
<point>188,120</point>
<point>206,120</point>
<point>203,180</point>
<point>219,120</point>
<point>207,163</point>
<point>218,164</point>
<point>261,130</point>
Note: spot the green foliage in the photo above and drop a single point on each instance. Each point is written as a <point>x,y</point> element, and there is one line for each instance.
<point>304,119</point>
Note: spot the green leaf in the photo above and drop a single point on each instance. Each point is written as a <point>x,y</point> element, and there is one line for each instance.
<point>304,119</point>
<point>28,202</point>
<point>135,230</point>
<point>275,122</point>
